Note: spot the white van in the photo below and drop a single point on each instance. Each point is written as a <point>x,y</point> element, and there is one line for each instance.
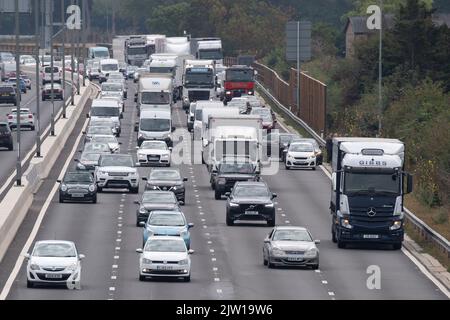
<point>198,118</point>
<point>106,109</point>
<point>155,125</point>
<point>98,53</point>
<point>106,67</point>
<point>155,91</point>
<point>47,74</point>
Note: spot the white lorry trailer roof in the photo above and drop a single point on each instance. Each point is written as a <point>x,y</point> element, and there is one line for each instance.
<point>357,145</point>
<point>155,84</point>
<point>235,132</point>
<point>199,63</point>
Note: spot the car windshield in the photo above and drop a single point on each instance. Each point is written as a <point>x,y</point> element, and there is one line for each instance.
<point>78,177</point>
<point>6,89</point>
<point>155,98</point>
<point>110,67</point>
<point>102,123</point>
<point>59,250</point>
<point>370,183</point>
<point>301,147</point>
<point>155,125</point>
<point>251,191</point>
<point>165,175</point>
<point>105,112</point>
<point>292,235</point>
<point>116,161</point>
<point>99,130</point>
<point>162,70</point>
<point>245,168</point>
<point>115,76</point>
<point>158,197</point>
<point>111,86</point>
<point>96,147</point>
<point>109,139</point>
<point>154,145</point>
<point>4,128</point>
<point>90,156</point>
<point>166,219</point>
<point>165,245</point>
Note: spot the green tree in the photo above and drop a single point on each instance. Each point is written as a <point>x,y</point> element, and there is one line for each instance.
<point>169,19</point>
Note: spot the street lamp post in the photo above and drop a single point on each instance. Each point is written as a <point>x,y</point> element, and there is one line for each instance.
<point>52,98</point>
<point>72,65</point>
<point>78,58</point>
<point>18,95</point>
<point>38,109</point>
<point>83,54</point>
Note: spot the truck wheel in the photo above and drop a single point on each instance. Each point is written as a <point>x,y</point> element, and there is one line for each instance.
<point>397,246</point>
<point>217,195</point>
<point>213,186</point>
<point>141,278</point>
<point>341,244</point>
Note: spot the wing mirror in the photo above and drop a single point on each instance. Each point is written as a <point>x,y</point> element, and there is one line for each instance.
<point>227,194</point>
<point>274,195</point>
<point>190,225</point>
<point>88,115</point>
<point>139,251</point>
<point>266,240</point>
<point>173,129</point>
<point>185,179</point>
<point>144,179</point>
<point>190,251</point>
<point>27,256</point>
<point>136,202</point>
<point>59,181</point>
<point>141,224</point>
<point>317,241</point>
<point>81,256</point>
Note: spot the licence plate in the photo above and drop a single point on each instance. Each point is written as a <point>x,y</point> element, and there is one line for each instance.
<point>163,268</point>
<point>77,195</point>
<point>371,236</point>
<point>53,276</point>
<point>5,95</point>
<point>153,159</point>
<point>252,213</point>
<point>294,259</point>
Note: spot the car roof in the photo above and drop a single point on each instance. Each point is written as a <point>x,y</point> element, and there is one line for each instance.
<point>251,183</point>
<point>55,241</point>
<point>158,191</point>
<point>165,169</point>
<point>290,228</point>
<point>166,238</point>
<point>154,113</point>
<point>104,103</point>
<point>168,212</point>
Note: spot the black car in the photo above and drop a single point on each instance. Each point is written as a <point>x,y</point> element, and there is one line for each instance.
<point>6,140</point>
<point>88,161</point>
<point>155,201</point>
<point>8,94</point>
<point>167,180</point>
<point>78,186</point>
<point>58,92</point>
<point>229,172</point>
<point>280,141</point>
<point>250,201</point>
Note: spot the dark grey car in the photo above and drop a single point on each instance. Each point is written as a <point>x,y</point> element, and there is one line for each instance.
<point>153,201</point>
<point>78,186</point>
<point>6,140</point>
<point>167,180</point>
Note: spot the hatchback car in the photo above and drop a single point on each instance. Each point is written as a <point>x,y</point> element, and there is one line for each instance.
<point>58,92</point>
<point>301,155</point>
<point>77,186</point>
<point>290,246</point>
<point>167,223</point>
<point>267,117</point>
<point>6,139</point>
<point>155,200</point>
<point>250,201</point>
<point>88,161</point>
<point>111,141</point>
<point>93,131</point>
<point>22,84</point>
<point>165,257</point>
<point>96,148</point>
<point>167,180</point>
<point>54,262</point>
<point>8,94</point>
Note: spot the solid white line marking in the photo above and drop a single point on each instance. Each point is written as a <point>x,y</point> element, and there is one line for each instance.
<point>112,289</point>
<point>115,266</point>
<point>427,273</point>
<point>324,281</point>
<point>331,293</point>
<point>216,279</point>
<point>38,222</point>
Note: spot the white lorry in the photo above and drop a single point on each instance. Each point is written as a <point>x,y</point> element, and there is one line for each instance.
<point>207,49</point>
<point>368,188</point>
<point>199,81</point>
<point>154,91</point>
<point>200,106</point>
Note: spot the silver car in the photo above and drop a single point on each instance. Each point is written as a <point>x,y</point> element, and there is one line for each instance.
<point>290,246</point>
<point>54,262</point>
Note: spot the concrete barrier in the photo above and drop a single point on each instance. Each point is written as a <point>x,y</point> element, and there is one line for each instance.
<point>18,200</point>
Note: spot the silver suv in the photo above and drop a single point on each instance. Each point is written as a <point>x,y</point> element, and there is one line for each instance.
<point>117,171</point>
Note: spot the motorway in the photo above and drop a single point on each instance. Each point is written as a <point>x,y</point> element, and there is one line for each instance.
<point>8,159</point>
<point>227,263</point>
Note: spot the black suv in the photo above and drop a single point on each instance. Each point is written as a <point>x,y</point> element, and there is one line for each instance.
<point>230,171</point>
<point>8,95</point>
<point>250,201</point>
<point>167,180</point>
<point>6,140</point>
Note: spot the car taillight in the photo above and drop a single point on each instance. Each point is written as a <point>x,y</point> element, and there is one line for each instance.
<point>30,116</point>
<point>10,117</point>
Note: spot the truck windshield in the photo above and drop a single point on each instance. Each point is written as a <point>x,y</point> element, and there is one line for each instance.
<point>155,98</point>
<point>244,75</point>
<point>213,54</point>
<point>110,67</point>
<point>102,54</point>
<point>199,76</point>
<point>137,50</point>
<point>371,183</point>
<point>162,70</point>
<point>155,125</point>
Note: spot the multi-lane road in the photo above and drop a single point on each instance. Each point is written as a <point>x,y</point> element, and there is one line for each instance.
<point>8,159</point>
<point>227,263</point>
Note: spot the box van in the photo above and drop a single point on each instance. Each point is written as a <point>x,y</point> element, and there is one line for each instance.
<point>106,67</point>
<point>47,75</point>
<point>155,91</point>
<point>98,53</point>
<point>106,109</point>
<point>7,69</point>
<point>155,125</point>
<point>198,118</point>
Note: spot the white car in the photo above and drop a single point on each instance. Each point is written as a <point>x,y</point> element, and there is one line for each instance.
<point>117,171</point>
<point>165,256</point>
<point>114,87</point>
<point>111,141</point>
<point>54,262</point>
<point>154,153</point>
<point>112,95</point>
<point>47,74</point>
<point>301,155</point>
<point>26,119</point>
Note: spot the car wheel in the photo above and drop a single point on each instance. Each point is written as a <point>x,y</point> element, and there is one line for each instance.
<point>99,189</point>
<point>134,190</point>
<point>217,195</point>
<point>264,260</point>
<point>43,99</point>
<point>314,168</point>
<point>94,200</point>
<point>187,279</point>
<point>61,199</point>
<point>288,168</point>
<point>315,267</point>
<point>333,235</point>
<point>397,246</point>
<point>213,186</point>
<point>270,265</point>
<point>141,278</point>
<point>33,128</point>
<point>230,221</point>
<point>341,244</point>
<point>30,284</point>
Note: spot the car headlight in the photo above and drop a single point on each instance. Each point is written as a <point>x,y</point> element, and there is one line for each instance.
<point>346,224</point>
<point>165,156</point>
<point>146,261</point>
<point>311,253</point>
<point>396,225</point>
<point>183,262</point>
<point>228,92</point>
<point>289,156</point>
<point>277,252</point>
<point>142,156</point>
<point>72,267</point>
<point>142,210</point>
<point>102,173</point>
<point>232,204</point>
<point>269,205</point>
<point>153,187</point>
<point>92,188</point>
<point>175,188</point>
<point>34,267</point>
<point>140,136</point>
<point>64,188</point>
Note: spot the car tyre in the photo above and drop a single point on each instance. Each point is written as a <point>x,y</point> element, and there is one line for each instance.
<point>230,221</point>
<point>94,200</point>
<point>271,222</point>
<point>141,278</point>
<point>187,279</point>
<point>333,235</point>
<point>270,265</point>
<point>134,190</point>
<point>265,262</point>
<point>30,284</point>
<point>61,199</point>
<point>314,168</point>
<point>217,195</point>
<point>288,168</point>
<point>99,189</point>
<point>315,267</point>
<point>11,148</point>
<point>33,128</point>
<point>341,244</point>
<point>397,246</point>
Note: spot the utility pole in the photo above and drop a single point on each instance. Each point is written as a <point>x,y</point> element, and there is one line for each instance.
<point>18,95</point>
<point>63,15</point>
<point>38,111</point>
<point>72,64</point>
<point>78,57</point>
<point>113,22</point>
<point>298,67</point>
<point>84,34</point>
<point>52,64</point>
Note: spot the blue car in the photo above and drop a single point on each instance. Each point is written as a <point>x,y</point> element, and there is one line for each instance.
<point>23,85</point>
<point>167,223</point>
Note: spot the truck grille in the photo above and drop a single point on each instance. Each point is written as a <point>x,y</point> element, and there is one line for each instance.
<point>198,95</point>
